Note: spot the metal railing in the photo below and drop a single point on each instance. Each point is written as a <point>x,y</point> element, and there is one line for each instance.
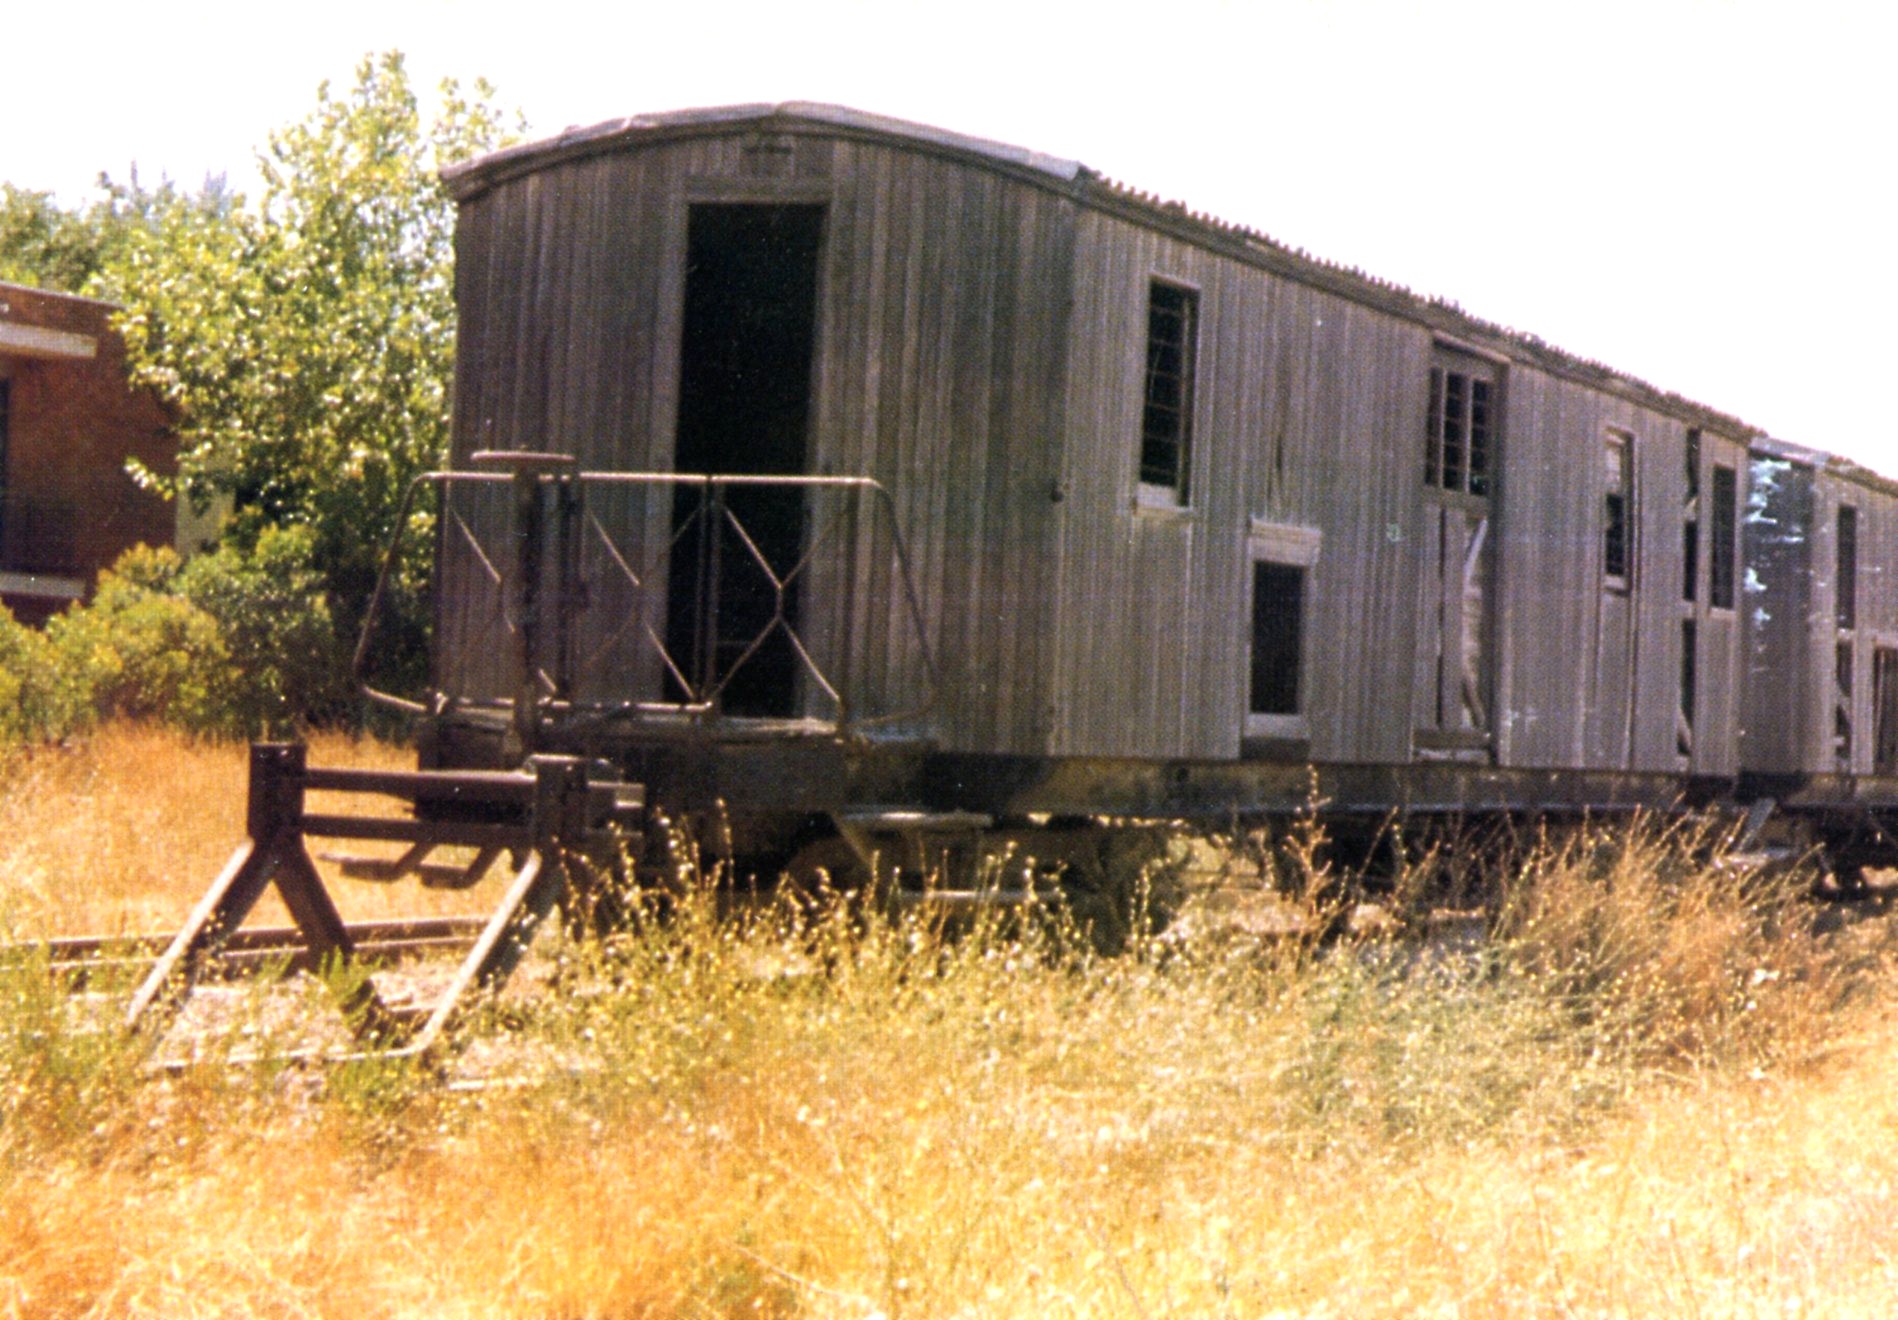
<point>668,599</point>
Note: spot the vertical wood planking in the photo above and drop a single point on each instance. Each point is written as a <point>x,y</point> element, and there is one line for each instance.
<point>979,351</point>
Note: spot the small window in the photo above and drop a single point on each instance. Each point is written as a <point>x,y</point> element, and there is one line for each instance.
<point>1282,557</point>
<point>1617,529</point>
<point>1459,431</point>
<point>1166,426</point>
<point>1278,613</point>
<point>1846,581</point>
<point>1724,557</point>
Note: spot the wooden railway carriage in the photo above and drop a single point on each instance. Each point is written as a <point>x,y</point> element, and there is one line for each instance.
<point>1165,516</point>
<point>854,487</point>
<point>1822,718</point>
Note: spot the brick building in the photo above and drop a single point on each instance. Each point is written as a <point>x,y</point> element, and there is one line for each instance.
<point>68,423</point>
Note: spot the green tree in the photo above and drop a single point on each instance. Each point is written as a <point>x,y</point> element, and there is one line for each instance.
<point>44,245</point>
<point>306,344</point>
<point>53,247</point>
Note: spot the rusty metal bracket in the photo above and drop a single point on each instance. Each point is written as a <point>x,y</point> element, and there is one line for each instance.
<point>560,816</point>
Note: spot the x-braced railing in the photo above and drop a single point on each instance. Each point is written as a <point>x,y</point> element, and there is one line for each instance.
<point>630,595</point>
<point>563,819</point>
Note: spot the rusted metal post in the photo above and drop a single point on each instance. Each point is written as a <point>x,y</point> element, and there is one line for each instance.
<point>527,545</point>
<point>528,468</point>
<point>569,597</point>
<point>274,851</point>
<point>275,799</point>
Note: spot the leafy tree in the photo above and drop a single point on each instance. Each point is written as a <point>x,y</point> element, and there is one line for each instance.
<point>44,244</point>
<point>306,344</point>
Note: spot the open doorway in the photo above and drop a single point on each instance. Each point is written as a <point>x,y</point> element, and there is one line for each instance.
<point>746,352</point>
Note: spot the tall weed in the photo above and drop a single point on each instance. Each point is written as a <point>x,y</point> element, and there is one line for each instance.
<point>1608,1105</point>
<point>1655,938</point>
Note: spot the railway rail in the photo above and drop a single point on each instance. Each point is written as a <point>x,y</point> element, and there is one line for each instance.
<point>76,960</point>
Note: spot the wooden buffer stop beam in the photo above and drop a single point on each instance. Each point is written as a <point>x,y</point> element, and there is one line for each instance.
<point>563,820</point>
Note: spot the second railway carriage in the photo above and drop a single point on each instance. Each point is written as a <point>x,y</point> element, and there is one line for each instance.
<point>918,477</point>
<point>1821,724</point>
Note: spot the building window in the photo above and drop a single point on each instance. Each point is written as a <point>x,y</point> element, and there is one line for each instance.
<point>1725,554</point>
<point>6,406</point>
<point>1459,431</point>
<point>1846,580</point>
<point>1617,528</point>
<point>1166,425</point>
<point>1278,613</point>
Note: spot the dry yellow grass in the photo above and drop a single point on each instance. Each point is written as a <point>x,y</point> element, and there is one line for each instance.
<point>1605,1117</point>
<point>120,832</point>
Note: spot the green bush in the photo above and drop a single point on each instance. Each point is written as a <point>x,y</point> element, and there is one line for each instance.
<point>287,666</point>
<point>37,700</point>
<point>237,642</point>
<point>136,651</point>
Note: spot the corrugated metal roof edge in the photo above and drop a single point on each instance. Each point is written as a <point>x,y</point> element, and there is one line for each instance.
<point>1090,187</point>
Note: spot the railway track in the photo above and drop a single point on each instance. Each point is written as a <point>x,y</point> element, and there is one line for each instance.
<point>76,960</point>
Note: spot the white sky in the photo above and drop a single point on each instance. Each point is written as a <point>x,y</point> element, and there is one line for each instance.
<point>1696,192</point>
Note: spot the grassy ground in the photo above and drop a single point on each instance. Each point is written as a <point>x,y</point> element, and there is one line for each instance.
<point>122,831</point>
<point>1656,1090</point>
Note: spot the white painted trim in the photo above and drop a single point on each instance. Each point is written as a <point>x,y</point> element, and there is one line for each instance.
<point>38,584</point>
<point>1283,543</point>
<point>38,341</point>
<point>1277,726</point>
<point>1151,498</point>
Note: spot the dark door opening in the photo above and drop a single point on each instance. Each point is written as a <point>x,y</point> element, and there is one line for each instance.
<point>744,407</point>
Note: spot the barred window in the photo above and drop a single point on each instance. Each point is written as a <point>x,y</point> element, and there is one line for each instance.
<point>1459,431</point>
<point>1166,425</point>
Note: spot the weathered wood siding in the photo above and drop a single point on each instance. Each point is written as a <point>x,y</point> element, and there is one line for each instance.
<point>1807,672</point>
<point>1301,399</point>
<point>980,346</point>
<point>940,338</point>
<point>1779,728</point>
<point>1310,412</point>
<point>1593,672</point>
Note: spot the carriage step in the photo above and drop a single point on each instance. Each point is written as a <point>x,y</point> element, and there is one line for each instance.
<point>905,819</point>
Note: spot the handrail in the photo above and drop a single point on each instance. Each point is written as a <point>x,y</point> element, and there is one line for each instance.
<point>836,544</point>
